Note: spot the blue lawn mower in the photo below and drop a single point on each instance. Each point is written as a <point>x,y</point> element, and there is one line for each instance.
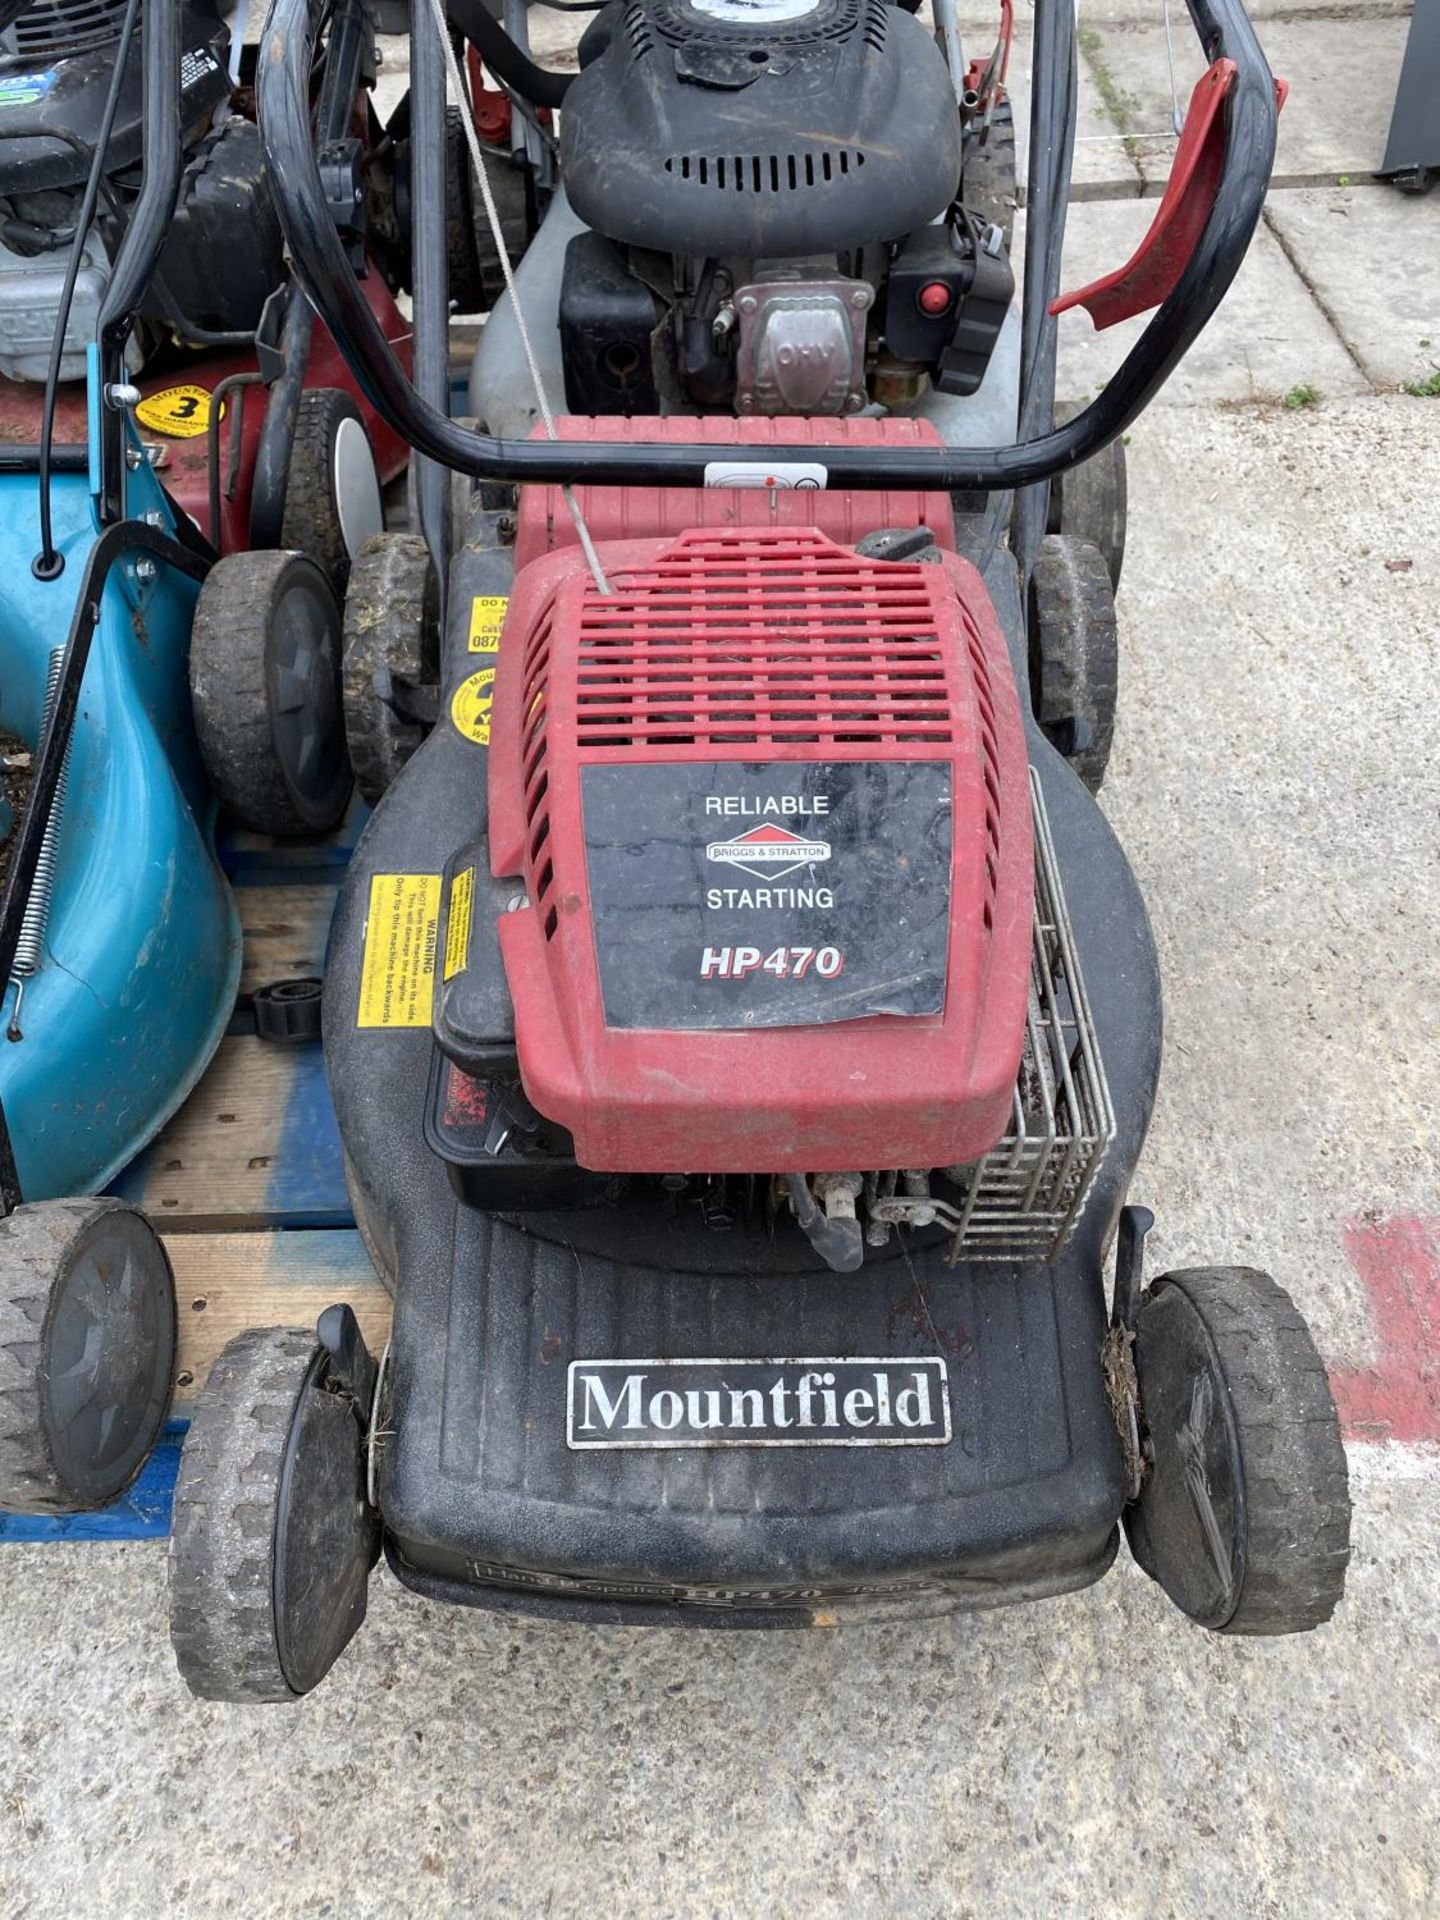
<point>143,681</point>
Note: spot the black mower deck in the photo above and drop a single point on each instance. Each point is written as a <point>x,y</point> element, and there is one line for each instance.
<point>481,1490</point>
<point>484,1499</point>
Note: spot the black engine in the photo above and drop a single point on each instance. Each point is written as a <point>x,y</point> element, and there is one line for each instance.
<point>767,232</point>
<point>224,256</point>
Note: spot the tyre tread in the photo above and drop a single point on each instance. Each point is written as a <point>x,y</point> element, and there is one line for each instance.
<point>230,695</point>
<point>391,623</point>
<point>990,186</point>
<point>1297,1497</point>
<point>1091,500</point>
<point>1075,648</point>
<point>222,1543</point>
<point>311,523</point>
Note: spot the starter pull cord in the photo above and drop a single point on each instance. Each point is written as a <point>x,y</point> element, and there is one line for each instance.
<point>492,214</point>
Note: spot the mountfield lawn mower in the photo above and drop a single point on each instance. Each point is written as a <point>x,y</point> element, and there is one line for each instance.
<point>742,1022</point>
<point>136,226</point>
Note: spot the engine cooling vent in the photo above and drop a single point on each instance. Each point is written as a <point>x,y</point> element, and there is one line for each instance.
<point>985,701</point>
<point>734,641</point>
<point>67,26</point>
<point>637,30</point>
<point>535,775</point>
<point>877,13</point>
<point>769,173</point>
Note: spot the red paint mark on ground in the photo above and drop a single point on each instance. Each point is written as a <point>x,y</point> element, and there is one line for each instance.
<point>1397,1397</point>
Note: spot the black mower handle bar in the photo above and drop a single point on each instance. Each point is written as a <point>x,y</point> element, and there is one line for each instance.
<point>323,269</point>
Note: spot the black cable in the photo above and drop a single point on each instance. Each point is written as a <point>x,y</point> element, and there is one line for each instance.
<point>505,60</point>
<point>48,564</point>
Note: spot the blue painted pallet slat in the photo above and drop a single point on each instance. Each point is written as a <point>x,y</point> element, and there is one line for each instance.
<point>307,1181</point>
<point>284,867</point>
<point>296,1171</point>
<point>141,1514</point>
<point>257,860</point>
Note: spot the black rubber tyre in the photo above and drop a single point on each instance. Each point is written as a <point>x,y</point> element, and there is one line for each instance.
<point>272,1540</point>
<point>989,182</point>
<point>1238,1418</point>
<point>1091,501</point>
<point>462,202</point>
<point>265,687</point>
<point>333,502</point>
<point>392,647</point>
<point>1074,653</point>
<point>87,1351</point>
<point>511,187</point>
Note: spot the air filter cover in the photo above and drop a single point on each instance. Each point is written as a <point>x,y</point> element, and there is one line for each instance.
<point>722,129</point>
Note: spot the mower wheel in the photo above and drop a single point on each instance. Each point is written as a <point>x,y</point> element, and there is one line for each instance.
<point>87,1348</point>
<point>1074,653</point>
<point>1244,1513</point>
<point>392,657</point>
<point>462,204</point>
<point>511,190</point>
<point>988,183</point>
<point>332,497</point>
<point>1090,502</point>
<point>273,1539</point>
<point>265,687</point>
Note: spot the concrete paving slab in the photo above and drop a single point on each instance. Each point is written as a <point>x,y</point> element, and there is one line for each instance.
<point>1342,74</point>
<point>1280,797</point>
<point>555,36</point>
<point>1104,165</point>
<point>393,79</point>
<point>1268,336</point>
<point>1372,256</point>
<point>1152,12</point>
<point>1276,785</point>
<point>1094,1755</point>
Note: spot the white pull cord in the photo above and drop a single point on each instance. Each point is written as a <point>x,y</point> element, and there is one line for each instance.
<point>456,87</point>
<point>1177,117</point>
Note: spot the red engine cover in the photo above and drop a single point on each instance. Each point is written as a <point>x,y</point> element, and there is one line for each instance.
<point>770,802</point>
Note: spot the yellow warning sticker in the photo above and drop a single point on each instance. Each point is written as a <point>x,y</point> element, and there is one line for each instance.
<point>180,413</point>
<point>397,977</point>
<point>487,617</point>
<point>470,707</point>
<point>457,926</point>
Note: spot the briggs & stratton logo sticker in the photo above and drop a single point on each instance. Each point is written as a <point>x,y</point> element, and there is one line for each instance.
<point>769,849</point>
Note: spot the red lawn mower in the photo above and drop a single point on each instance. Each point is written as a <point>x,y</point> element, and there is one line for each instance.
<point>247,413</point>
<point>221,332</point>
<point>742,1022</point>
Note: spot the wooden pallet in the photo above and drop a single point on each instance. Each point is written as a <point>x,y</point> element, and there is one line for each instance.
<point>247,1182</point>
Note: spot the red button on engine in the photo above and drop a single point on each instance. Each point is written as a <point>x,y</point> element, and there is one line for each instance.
<point>933,299</point>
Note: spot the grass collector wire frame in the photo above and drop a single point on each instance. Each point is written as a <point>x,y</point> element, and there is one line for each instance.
<point>1021,1201</point>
